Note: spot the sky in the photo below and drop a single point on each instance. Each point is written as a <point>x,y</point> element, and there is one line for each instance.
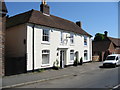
<point>96,17</point>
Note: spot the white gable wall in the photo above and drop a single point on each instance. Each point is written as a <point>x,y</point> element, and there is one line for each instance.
<point>29,47</point>
<point>54,46</point>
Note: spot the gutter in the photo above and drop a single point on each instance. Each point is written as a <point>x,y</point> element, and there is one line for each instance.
<point>33,48</point>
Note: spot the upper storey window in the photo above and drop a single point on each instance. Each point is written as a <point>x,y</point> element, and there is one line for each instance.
<point>71,38</point>
<point>45,35</point>
<point>85,40</point>
<point>61,38</point>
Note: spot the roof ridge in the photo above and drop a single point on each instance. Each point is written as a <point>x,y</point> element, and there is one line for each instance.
<point>16,20</point>
<point>113,38</point>
<point>57,17</point>
<point>21,13</point>
<point>30,14</point>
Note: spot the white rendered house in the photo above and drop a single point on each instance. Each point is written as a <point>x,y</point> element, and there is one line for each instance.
<point>43,38</point>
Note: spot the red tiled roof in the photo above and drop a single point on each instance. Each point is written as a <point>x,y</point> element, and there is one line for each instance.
<point>115,41</point>
<point>37,17</point>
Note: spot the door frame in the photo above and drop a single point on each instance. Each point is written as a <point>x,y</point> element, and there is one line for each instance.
<point>63,61</point>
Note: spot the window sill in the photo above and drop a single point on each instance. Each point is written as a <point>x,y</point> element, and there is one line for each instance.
<point>72,44</point>
<point>72,61</point>
<point>45,65</point>
<point>85,45</point>
<point>47,43</point>
<point>63,44</point>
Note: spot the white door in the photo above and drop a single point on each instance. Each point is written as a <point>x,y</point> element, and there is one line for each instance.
<point>62,58</point>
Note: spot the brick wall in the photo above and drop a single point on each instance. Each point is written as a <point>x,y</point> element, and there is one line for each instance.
<point>2,44</point>
<point>95,58</point>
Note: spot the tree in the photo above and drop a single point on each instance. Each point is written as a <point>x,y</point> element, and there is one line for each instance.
<point>99,37</point>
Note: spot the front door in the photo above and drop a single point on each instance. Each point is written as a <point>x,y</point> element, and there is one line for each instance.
<point>62,58</point>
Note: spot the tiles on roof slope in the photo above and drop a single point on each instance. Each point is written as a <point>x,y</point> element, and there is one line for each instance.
<point>37,17</point>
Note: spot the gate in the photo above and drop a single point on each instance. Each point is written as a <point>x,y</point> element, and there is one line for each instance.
<point>15,66</point>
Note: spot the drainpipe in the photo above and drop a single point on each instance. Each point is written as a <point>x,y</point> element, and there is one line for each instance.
<point>33,48</point>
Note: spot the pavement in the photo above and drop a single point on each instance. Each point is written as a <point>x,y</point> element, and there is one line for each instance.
<point>35,77</point>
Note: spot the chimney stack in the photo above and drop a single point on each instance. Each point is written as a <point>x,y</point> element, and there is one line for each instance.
<point>3,9</point>
<point>79,24</point>
<point>105,33</point>
<point>44,8</point>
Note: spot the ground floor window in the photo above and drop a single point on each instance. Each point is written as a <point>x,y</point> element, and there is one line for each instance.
<point>45,56</point>
<point>71,55</point>
<point>85,55</point>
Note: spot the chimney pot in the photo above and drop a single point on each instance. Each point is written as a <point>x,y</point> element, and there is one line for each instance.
<point>44,8</point>
<point>106,33</point>
<point>79,23</point>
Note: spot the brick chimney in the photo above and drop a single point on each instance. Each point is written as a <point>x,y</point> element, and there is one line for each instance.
<point>79,23</point>
<point>44,8</point>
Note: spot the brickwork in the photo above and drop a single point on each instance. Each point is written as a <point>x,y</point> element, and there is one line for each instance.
<point>2,36</point>
<point>2,44</point>
<point>95,58</point>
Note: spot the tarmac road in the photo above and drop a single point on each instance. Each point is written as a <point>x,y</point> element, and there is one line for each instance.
<point>97,78</point>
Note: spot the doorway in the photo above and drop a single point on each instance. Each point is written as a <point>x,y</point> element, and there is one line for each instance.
<point>62,58</point>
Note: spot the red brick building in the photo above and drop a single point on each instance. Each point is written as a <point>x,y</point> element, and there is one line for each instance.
<point>3,11</point>
<point>107,46</point>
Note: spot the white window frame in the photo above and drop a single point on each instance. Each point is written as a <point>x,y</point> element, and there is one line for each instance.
<point>46,52</point>
<point>61,37</point>
<point>71,38</point>
<point>73,53</point>
<point>45,36</point>
<point>86,52</point>
<point>85,41</point>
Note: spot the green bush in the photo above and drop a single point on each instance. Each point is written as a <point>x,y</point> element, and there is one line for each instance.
<point>55,65</point>
<point>99,37</point>
<point>81,61</point>
<point>41,70</point>
<point>76,62</point>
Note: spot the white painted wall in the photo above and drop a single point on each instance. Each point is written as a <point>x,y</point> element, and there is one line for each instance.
<point>29,47</point>
<point>53,46</point>
<point>15,46</point>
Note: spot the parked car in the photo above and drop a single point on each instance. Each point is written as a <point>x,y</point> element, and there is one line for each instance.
<point>112,60</point>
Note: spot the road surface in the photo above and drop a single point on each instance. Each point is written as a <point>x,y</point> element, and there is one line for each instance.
<point>97,78</point>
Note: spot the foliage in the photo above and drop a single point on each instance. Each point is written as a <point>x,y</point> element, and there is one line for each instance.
<point>76,62</point>
<point>41,70</point>
<point>55,65</point>
<point>81,61</point>
<point>99,37</point>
